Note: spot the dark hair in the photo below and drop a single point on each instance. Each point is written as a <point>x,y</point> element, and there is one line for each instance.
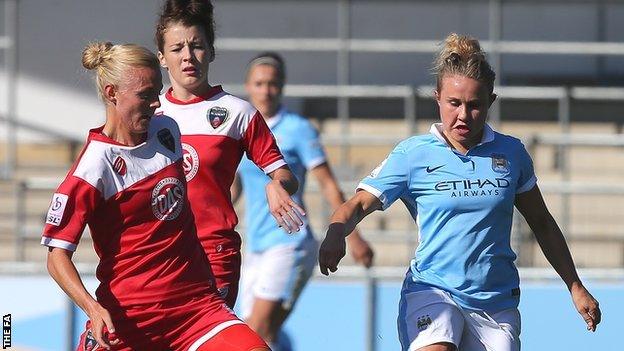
<point>462,55</point>
<point>189,13</point>
<point>272,59</point>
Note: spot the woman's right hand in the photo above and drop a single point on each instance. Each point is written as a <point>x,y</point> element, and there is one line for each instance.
<point>287,213</point>
<point>102,326</point>
<point>333,248</point>
<point>586,305</point>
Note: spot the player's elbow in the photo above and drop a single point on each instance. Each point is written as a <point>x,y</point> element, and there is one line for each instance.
<point>53,262</point>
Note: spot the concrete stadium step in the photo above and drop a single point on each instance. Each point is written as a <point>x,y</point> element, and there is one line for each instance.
<point>55,154</point>
<point>586,254</point>
<point>606,163</point>
<point>520,129</point>
<point>35,202</point>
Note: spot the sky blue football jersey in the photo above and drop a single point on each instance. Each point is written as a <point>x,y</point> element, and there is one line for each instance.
<point>463,205</point>
<point>298,141</point>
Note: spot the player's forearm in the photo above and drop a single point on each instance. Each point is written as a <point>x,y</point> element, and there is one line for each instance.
<point>63,271</point>
<point>348,215</point>
<point>555,249</point>
<point>286,179</point>
<point>236,189</point>
<point>335,198</point>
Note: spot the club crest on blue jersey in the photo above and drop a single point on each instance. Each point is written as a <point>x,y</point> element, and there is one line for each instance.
<point>423,322</point>
<point>500,163</point>
<point>216,116</point>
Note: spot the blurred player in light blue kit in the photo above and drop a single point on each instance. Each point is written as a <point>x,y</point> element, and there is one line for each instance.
<point>460,183</point>
<point>276,265</point>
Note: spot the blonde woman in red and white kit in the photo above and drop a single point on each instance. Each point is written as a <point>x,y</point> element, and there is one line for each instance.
<point>156,291</point>
<point>217,129</point>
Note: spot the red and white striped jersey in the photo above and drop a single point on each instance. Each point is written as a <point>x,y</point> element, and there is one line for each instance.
<point>216,130</point>
<point>135,203</point>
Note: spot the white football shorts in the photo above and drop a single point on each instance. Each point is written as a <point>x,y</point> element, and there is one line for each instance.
<point>432,316</point>
<point>277,274</point>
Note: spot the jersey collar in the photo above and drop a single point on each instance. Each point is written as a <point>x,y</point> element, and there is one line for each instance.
<point>209,94</point>
<point>488,134</point>
<point>273,121</point>
<point>96,134</point>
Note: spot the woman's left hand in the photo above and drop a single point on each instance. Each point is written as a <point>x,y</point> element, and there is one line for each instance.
<point>287,213</point>
<point>586,305</point>
<point>360,250</point>
<point>333,248</point>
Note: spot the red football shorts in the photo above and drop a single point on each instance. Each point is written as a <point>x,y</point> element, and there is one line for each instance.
<point>226,268</point>
<point>238,337</point>
<point>171,325</point>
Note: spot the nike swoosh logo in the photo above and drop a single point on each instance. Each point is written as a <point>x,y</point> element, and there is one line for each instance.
<point>429,169</point>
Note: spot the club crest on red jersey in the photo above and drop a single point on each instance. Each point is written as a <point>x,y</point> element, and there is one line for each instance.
<point>168,199</point>
<point>166,139</point>
<point>90,344</point>
<point>119,165</point>
<point>216,116</point>
<point>190,160</point>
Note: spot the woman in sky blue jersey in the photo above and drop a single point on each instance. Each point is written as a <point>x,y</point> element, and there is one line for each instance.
<point>277,266</point>
<point>462,181</point>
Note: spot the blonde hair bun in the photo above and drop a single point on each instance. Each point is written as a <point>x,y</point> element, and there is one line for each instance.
<point>95,54</point>
<point>462,55</point>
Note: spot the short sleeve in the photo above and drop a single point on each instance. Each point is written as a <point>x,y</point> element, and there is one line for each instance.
<point>309,146</point>
<point>72,205</point>
<point>527,178</point>
<point>390,179</point>
<point>260,145</point>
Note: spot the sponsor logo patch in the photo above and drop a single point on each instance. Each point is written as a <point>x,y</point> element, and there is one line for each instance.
<point>168,199</point>
<point>499,163</point>
<point>473,187</point>
<point>57,208</point>
<point>119,165</point>
<point>430,169</point>
<point>216,116</point>
<point>190,160</point>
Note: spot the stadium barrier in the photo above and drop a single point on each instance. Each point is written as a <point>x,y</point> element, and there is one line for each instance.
<point>373,306</point>
<point>26,231</point>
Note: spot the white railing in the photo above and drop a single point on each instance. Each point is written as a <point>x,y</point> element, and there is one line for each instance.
<point>417,46</point>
